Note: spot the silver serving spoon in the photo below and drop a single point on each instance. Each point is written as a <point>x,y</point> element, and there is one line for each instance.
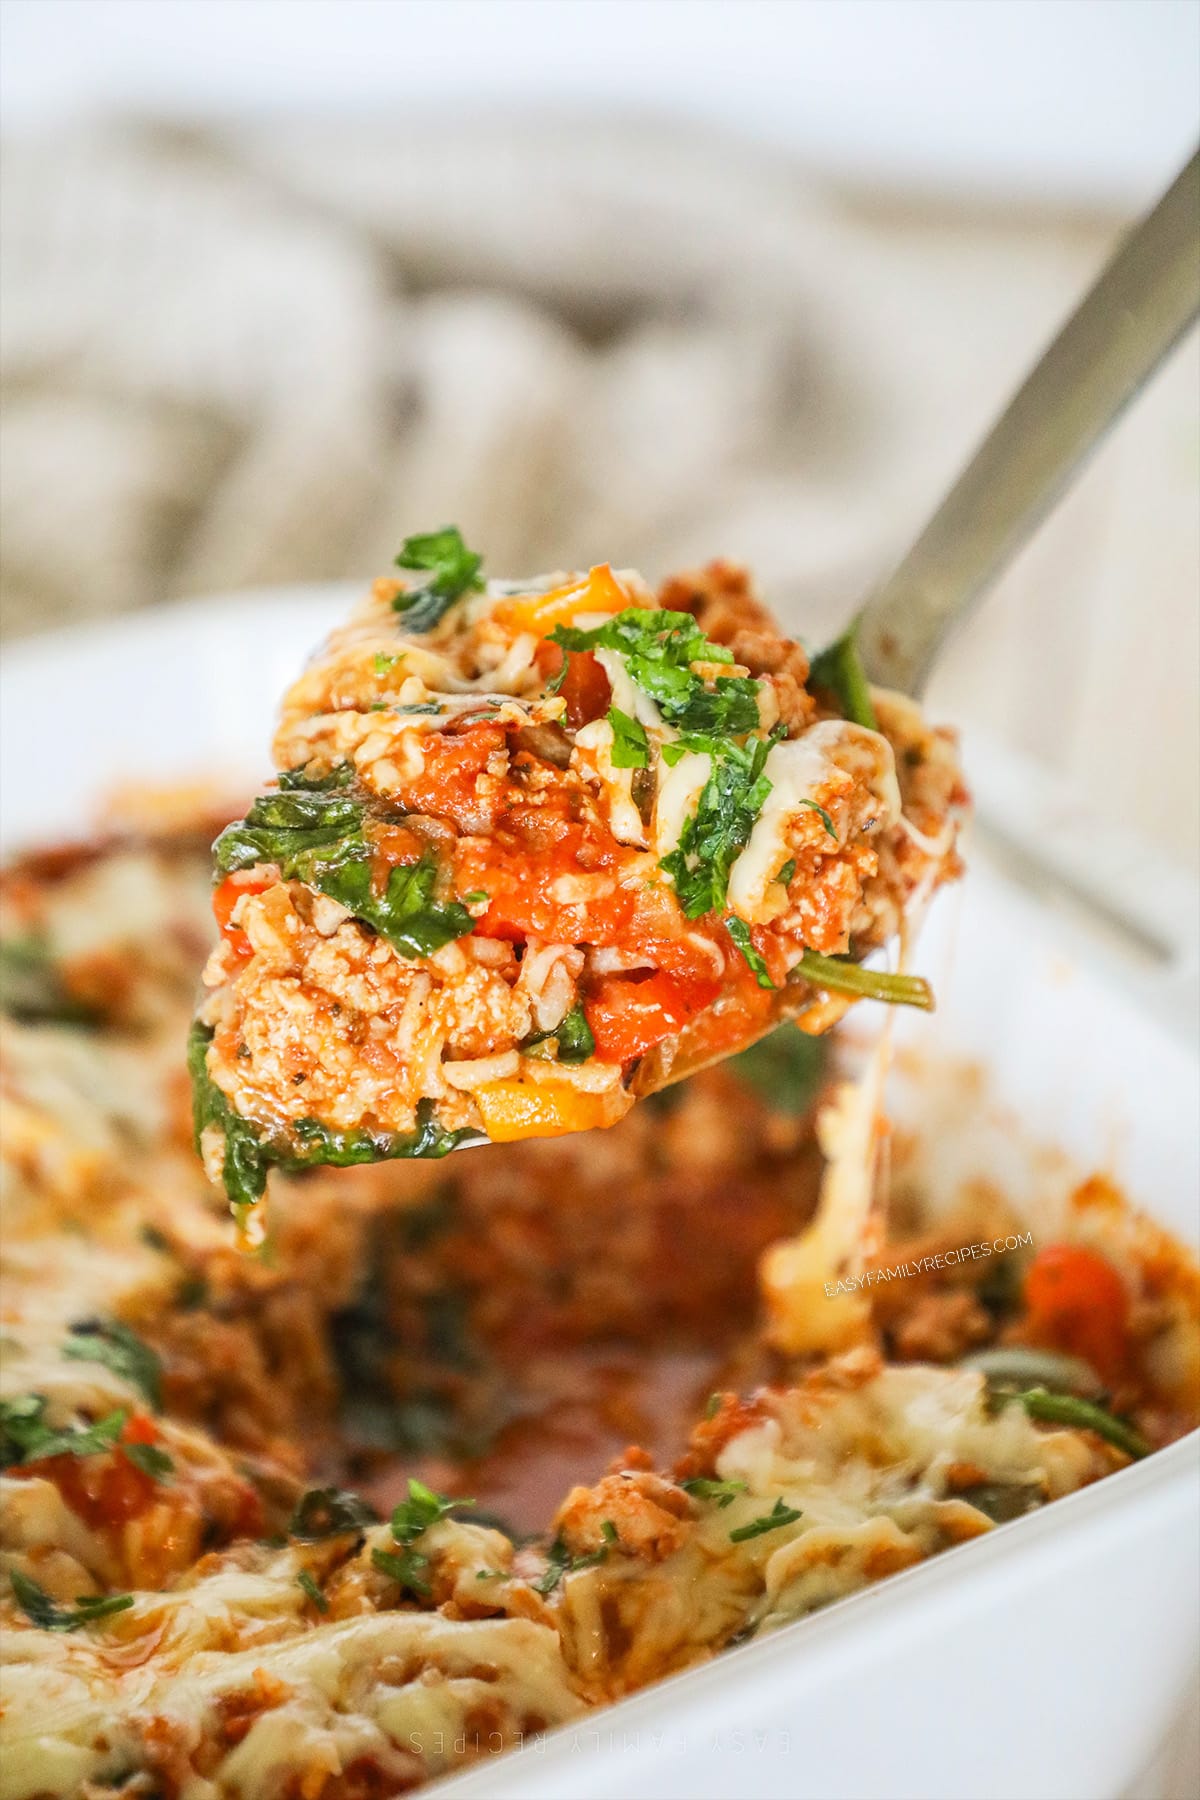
<point>1137,311</point>
<point>1140,307</point>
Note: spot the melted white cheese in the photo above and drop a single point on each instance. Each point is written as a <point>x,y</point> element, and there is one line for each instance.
<point>679,792</point>
<point>802,773</point>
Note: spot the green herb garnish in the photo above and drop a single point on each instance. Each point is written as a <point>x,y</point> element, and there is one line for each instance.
<point>575,1040</point>
<point>706,1487</point>
<point>111,1343</point>
<point>41,1610</point>
<point>422,1509</point>
<point>839,975</point>
<point>630,746</point>
<point>308,1581</point>
<point>838,669</point>
<point>1069,1409</point>
<point>451,570</point>
<point>718,831</point>
<point>246,1158</point>
<point>320,838</point>
<point>787,872</point>
<point>150,1459</point>
<point>826,821</point>
<point>659,648</point>
<point>24,1437</point>
<point>405,1566</point>
<point>739,931</point>
<point>779,1515</point>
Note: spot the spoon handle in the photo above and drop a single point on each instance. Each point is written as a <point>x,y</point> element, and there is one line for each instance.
<point>1141,305</point>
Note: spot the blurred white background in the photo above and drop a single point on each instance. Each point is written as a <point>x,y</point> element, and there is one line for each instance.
<point>1091,99</point>
<point>652,280</point>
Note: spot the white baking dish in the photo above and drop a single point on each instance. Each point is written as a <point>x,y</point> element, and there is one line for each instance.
<point>1048,1659</point>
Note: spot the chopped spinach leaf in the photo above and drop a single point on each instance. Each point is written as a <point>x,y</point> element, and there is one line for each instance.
<point>1069,1409</point>
<point>705,1487</point>
<point>317,1143</point>
<point>37,1605</point>
<point>320,838</point>
<point>247,1157</point>
<point>840,975</point>
<point>838,669</point>
<point>787,872</point>
<point>308,1581</point>
<point>780,1514</point>
<point>451,571</point>
<point>328,1512</point>
<point>630,747</point>
<point>340,776</point>
<point>113,1344</point>
<point>575,1040</point>
<point>739,931</point>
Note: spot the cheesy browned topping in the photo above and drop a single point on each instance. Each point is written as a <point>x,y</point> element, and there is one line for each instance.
<point>238,1554</point>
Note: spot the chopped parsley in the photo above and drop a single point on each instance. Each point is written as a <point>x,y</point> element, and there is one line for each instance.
<point>780,1514</point>
<point>381,662</point>
<point>109,1342</point>
<point>308,1581</point>
<point>422,1509</point>
<point>839,671</point>
<point>840,975</point>
<point>150,1459</point>
<point>1069,1409</point>
<point>406,1566</point>
<point>739,931</point>
<point>659,648</point>
<point>329,1511</point>
<point>706,1487</point>
<point>560,1562</point>
<point>450,569</point>
<point>714,836</point>
<point>630,747</point>
<point>826,821</point>
<point>41,1610</point>
<point>410,1519</point>
<point>787,872</point>
<point>25,1437</point>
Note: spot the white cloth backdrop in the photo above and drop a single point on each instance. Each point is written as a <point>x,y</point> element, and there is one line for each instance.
<point>252,355</point>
